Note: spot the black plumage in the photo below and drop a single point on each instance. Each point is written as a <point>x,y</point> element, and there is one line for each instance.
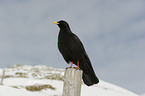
<point>73,51</point>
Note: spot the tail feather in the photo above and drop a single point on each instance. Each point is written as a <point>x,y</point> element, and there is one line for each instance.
<point>90,79</point>
<point>89,76</point>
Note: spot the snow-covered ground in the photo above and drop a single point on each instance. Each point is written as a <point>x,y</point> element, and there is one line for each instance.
<point>142,95</point>
<point>24,80</point>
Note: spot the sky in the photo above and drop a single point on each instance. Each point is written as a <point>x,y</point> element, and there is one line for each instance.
<point>112,32</point>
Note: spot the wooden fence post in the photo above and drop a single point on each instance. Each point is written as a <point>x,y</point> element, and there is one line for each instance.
<point>72,82</point>
<point>2,77</point>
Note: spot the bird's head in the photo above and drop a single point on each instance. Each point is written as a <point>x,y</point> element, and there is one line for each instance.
<point>62,24</point>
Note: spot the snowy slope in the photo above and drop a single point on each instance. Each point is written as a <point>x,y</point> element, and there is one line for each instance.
<point>142,95</point>
<point>25,80</point>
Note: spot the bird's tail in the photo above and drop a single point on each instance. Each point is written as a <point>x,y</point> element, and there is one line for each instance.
<point>90,79</point>
<point>89,76</point>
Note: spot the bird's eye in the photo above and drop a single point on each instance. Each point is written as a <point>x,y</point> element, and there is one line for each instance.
<point>63,25</point>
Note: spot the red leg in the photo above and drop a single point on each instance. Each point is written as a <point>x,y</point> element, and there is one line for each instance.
<point>78,64</point>
<point>71,64</point>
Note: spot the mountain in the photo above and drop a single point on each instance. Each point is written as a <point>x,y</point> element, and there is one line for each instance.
<point>142,95</point>
<point>41,80</point>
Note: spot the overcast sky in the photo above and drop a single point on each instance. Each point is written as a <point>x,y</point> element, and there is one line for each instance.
<point>112,31</point>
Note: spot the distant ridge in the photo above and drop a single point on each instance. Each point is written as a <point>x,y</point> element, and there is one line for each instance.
<point>20,80</point>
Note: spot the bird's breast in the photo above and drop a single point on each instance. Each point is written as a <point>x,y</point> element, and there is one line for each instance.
<point>69,47</point>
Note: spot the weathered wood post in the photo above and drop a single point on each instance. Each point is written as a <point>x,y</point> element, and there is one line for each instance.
<point>2,77</point>
<point>72,82</point>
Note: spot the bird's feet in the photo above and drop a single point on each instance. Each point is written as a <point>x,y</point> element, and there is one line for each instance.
<point>77,65</point>
<point>74,67</point>
<point>70,65</point>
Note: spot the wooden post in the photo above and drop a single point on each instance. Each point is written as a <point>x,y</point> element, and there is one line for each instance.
<point>2,77</point>
<point>72,82</point>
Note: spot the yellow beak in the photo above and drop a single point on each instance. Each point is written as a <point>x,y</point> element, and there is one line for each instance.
<point>55,22</point>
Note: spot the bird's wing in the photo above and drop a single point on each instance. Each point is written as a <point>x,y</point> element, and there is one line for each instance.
<point>83,50</point>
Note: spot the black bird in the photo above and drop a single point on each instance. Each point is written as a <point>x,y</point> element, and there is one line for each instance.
<point>73,51</point>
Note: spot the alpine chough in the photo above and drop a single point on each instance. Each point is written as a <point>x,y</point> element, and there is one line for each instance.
<point>73,51</point>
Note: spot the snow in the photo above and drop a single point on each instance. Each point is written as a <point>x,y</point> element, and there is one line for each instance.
<point>14,84</point>
<point>142,95</point>
<point>105,89</point>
